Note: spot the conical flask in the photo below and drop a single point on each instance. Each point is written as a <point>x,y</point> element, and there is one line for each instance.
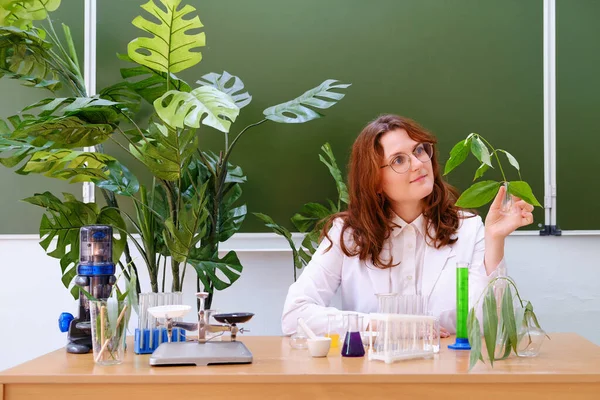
<point>353,345</point>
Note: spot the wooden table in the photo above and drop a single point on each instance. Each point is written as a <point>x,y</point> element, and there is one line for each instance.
<point>567,366</point>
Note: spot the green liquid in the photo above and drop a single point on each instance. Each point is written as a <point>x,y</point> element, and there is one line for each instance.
<point>462,301</point>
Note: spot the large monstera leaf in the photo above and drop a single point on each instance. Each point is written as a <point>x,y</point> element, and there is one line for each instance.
<point>222,272</point>
<point>170,48</point>
<point>299,107</point>
<point>165,151</point>
<point>224,84</point>
<point>18,150</point>
<point>69,132</point>
<point>104,110</point>
<point>205,104</point>
<point>61,223</point>
<point>21,13</point>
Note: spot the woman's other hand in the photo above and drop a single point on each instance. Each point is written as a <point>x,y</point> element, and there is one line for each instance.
<point>444,333</point>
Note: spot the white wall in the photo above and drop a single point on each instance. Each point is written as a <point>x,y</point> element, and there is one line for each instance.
<point>560,275</point>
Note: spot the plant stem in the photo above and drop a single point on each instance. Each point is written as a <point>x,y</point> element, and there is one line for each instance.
<point>137,128</point>
<point>111,200</point>
<point>130,141</point>
<point>172,198</point>
<point>506,278</point>
<point>495,153</point>
<point>124,271</point>
<point>230,148</point>
<point>205,161</point>
<point>78,81</point>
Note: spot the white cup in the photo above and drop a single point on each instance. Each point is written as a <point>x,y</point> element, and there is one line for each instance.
<point>319,347</point>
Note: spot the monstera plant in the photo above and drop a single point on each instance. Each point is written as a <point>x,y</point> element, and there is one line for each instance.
<point>194,201</point>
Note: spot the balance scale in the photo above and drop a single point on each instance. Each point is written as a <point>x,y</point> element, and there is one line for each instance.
<point>201,352</point>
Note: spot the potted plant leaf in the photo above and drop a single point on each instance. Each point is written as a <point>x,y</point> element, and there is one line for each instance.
<point>509,322</point>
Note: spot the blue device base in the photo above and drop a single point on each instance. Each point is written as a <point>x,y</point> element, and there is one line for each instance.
<point>151,345</point>
<point>461,344</point>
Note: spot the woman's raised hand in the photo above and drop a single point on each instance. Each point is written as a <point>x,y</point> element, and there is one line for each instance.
<point>501,224</point>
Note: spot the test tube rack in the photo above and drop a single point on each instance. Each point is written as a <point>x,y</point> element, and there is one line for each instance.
<point>149,335</point>
<point>395,337</point>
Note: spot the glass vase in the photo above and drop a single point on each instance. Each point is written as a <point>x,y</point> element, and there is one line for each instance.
<point>529,338</point>
<point>299,339</point>
<point>109,327</point>
<point>499,288</point>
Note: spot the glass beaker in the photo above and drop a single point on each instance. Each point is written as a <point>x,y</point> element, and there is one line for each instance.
<point>432,336</point>
<point>529,337</point>
<point>109,327</point>
<point>387,303</point>
<point>353,344</point>
<point>299,339</point>
<point>335,329</point>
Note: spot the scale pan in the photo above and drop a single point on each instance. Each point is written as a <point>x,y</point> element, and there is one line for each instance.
<point>170,311</point>
<point>233,318</point>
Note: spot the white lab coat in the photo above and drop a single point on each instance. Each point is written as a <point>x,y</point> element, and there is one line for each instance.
<point>310,296</point>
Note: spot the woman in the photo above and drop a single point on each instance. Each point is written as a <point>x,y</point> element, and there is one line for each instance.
<point>402,233</point>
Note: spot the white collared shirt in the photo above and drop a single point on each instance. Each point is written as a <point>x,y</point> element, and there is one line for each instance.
<point>407,246</point>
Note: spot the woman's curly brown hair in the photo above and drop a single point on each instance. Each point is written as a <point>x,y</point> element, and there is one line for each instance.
<point>369,214</point>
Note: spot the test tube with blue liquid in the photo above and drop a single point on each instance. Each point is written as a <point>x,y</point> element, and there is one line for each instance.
<point>462,307</point>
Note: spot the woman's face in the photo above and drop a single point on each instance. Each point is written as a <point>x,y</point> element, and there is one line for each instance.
<point>411,187</point>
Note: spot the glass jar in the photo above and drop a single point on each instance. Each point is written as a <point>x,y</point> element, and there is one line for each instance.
<point>335,329</point>
<point>498,288</point>
<point>299,339</point>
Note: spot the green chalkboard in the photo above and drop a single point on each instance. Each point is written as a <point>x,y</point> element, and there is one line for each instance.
<point>457,67</point>
<point>577,105</point>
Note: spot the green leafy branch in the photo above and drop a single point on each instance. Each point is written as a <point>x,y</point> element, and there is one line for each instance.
<point>483,192</point>
<point>503,326</point>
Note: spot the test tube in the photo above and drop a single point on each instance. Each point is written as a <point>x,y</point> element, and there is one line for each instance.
<point>152,300</point>
<point>387,303</point>
<point>143,320</point>
<point>462,307</point>
<point>507,201</point>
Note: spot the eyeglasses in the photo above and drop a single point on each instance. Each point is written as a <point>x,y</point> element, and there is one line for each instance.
<point>401,162</point>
